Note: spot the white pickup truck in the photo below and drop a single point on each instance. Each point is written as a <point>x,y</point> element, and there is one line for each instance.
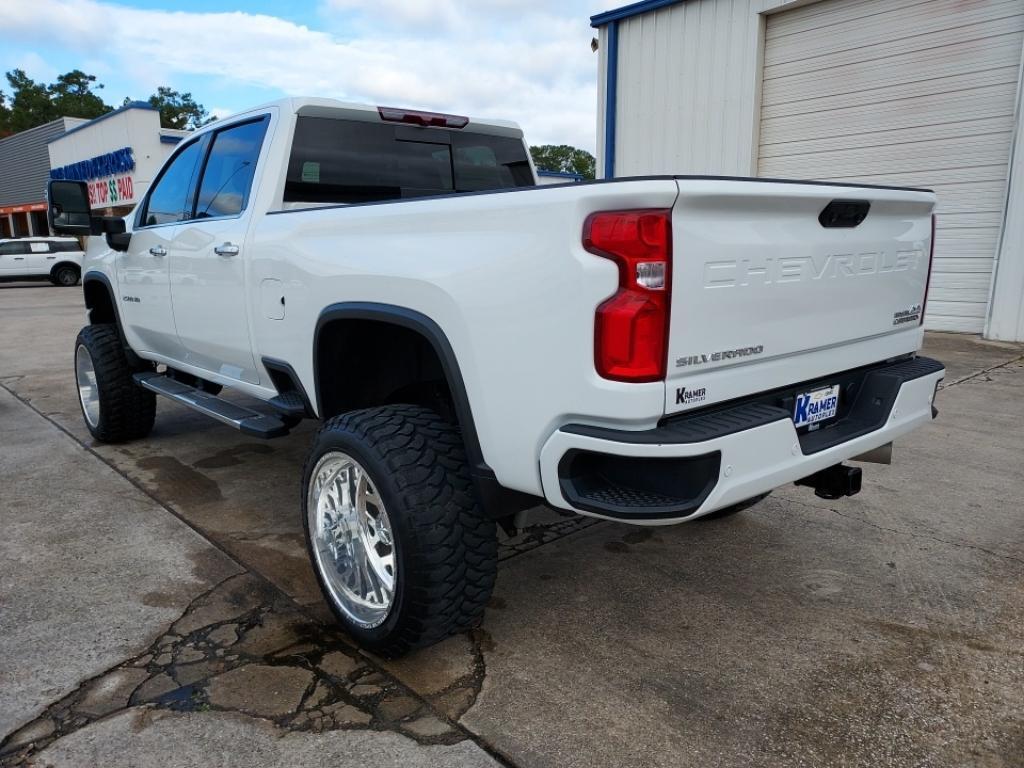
<point>645,350</point>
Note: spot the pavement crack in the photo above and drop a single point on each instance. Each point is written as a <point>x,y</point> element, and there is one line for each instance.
<point>909,533</point>
<point>982,372</point>
<point>388,705</point>
<point>930,537</point>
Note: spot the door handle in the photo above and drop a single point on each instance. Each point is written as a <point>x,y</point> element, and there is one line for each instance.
<point>227,249</point>
<point>158,250</point>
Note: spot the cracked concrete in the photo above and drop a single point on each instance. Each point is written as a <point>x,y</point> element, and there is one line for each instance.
<point>882,629</point>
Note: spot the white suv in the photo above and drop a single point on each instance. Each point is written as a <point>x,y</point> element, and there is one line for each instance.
<point>58,259</point>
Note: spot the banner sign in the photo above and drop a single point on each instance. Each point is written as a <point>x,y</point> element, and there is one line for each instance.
<point>111,164</point>
<point>108,192</point>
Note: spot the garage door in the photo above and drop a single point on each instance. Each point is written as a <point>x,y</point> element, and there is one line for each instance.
<point>909,93</point>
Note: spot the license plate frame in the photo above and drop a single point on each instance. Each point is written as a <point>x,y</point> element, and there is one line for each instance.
<point>816,406</point>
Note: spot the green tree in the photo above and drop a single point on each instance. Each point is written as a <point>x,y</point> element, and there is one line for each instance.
<point>30,102</point>
<point>563,158</point>
<point>5,116</point>
<point>72,96</point>
<point>33,103</point>
<point>178,110</point>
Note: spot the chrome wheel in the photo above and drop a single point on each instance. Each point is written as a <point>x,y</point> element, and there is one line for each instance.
<point>88,391</point>
<point>352,541</point>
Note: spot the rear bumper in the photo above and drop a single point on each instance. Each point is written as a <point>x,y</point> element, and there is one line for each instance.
<point>698,463</point>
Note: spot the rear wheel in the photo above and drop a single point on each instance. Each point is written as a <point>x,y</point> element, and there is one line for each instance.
<point>400,545</point>
<point>65,275</point>
<point>114,407</point>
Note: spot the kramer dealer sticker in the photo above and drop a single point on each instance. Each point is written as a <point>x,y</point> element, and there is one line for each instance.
<point>812,407</point>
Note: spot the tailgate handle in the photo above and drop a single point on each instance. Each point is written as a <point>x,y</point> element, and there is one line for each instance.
<point>843,214</point>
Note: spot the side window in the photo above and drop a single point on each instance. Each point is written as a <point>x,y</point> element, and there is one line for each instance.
<point>9,249</point>
<point>227,177</point>
<point>168,200</point>
<point>39,247</point>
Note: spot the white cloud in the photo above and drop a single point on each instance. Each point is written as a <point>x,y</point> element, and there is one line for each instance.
<point>513,59</point>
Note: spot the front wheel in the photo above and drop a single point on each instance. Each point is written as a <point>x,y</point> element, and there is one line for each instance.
<point>115,408</point>
<point>401,547</point>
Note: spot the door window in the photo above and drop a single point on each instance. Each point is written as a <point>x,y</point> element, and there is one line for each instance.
<point>10,249</point>
<point>39,247</point>
<point>227,177</point>
<point>169,200</point>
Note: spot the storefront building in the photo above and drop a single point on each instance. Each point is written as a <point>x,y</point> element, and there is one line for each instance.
<point>117,154</point>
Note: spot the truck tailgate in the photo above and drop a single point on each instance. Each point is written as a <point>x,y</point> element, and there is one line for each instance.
<point>775,283</point>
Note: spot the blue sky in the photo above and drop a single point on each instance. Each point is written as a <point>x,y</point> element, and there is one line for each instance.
<point>523,60</point>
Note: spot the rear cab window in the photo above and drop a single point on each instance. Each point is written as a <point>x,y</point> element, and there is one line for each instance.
<point>339,161</point>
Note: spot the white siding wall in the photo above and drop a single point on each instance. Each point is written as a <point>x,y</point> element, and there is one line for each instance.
<point>688,88</point>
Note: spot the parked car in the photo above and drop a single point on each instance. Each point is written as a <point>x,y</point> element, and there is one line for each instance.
<point>57,259</point>
<point>647,350</point>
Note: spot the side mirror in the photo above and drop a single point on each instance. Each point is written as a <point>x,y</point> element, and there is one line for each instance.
<point>118,237</point>
<point>68,211</point>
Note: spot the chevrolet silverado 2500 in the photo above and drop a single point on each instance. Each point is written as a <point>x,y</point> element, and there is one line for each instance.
<point>647,350</point>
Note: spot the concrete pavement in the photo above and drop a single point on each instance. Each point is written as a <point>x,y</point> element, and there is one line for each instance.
<point>885,629</point>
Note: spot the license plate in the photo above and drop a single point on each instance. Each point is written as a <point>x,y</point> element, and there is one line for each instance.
<point>816,406</point>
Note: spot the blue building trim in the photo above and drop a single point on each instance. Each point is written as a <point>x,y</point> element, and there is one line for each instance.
<point>560,175</point>
<point>600,19</point>
<point>119,110</point>
<point>611,95</point>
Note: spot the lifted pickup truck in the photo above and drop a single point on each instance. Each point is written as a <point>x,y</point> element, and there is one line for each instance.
<point>646,350</point>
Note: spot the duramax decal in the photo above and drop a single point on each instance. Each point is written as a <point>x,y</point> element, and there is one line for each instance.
<point>133,299</point>
<point>794,269</point>
<point>909,315</point>
<point>686,396</point>
<point>715,357</point>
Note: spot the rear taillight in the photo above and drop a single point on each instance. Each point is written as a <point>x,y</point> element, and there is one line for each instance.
<point>631,328</point>
<point>928,279</point>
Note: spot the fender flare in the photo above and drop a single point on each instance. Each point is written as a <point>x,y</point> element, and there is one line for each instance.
<point>102,279</point>
<point>432,332</point>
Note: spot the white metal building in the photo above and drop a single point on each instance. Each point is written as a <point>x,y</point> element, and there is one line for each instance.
<point>920,93</point>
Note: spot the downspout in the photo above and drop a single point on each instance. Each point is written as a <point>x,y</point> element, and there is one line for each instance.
<point>986,332</point>
<point>611,96</point>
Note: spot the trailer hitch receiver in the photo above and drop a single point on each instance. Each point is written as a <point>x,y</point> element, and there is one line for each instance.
<point>834,482</point>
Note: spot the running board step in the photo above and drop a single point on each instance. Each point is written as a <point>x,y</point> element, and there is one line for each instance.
<point>234,415</point>
<point>290,404</point>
